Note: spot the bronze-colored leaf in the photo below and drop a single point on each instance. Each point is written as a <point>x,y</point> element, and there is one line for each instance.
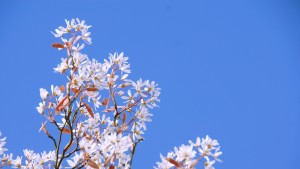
<point>105,102</point>
<point>111,167</point>
<point>74,69</point>
<point>89,109</point>
<point>93,164</point>
<point>67,131</point>
<point>57,45</point>
<point>93,89</point>
<point>124,118</point>
<point>62,104</point>
<point>174,162</point>
<point>74,90</point>
<point>67,44</point>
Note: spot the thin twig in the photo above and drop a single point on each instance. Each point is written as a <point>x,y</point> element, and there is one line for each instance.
<point>133,151</point>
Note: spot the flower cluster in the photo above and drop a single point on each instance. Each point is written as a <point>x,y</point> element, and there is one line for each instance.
<point>102,110</point>
<point>186,155</point>
<point>32,160</point>
<point>100,114</point>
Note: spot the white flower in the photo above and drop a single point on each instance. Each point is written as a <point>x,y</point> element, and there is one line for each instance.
<point>8,158</point>
<point>41,107</point>
<point>150,87</point>
<point>93,123</point>
<point>78,58</point>
<point>164,164</point>
<point>186,156</point>
<point>130,97</point>
<point>185,152</point>
<point>207,145</point>
<point>197,143</point>
<point>216,154</point>
<point>63,66</point>
<point>17,163</point>
<point>88,146</point>
<point>60,31</point>
<point>43,93</point>
<point>208,164</point>
<point>81,24</point>
<point>136,132</point>
<point>143,116</point>
<point>55,91</point>
<point>120,61</point>
<point>104,120</point>
<point>70,25</point>
<point>138,87</point>
<point>85,36</point>
<point>78,47</point>
<point>75,160</point>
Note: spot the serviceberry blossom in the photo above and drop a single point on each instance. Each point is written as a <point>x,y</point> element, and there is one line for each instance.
<point>188,156</point>
<point>98,116</point>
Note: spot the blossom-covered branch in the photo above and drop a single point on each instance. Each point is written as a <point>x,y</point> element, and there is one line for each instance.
<point>97,118</point>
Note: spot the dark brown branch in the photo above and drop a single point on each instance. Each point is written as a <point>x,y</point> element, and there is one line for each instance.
<point>133,151</point>
<point>54,141</point>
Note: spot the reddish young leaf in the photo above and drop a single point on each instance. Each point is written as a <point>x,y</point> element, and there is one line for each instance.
<point>174,162</point>
<point>57,45</point>
<point>93,164</point>
<point>93,89</point>
<point>105,102</point>
<point>74,69</point>
<point>89,109</point>
<point>67,44</point>
<point>111,167</point>
<point>124,118</point>
<point>62,104</point>
<point>67,131</point>
<point>74,90</point>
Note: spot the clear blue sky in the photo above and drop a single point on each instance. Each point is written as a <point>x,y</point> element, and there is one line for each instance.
<point>227,68</point>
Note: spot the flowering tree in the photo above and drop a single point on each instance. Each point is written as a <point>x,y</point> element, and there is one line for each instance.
<point>99,116</point>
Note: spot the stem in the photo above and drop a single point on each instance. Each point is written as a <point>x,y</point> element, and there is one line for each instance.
<point>115,105</point>
<point>54,142</point>
<point>133,151</point>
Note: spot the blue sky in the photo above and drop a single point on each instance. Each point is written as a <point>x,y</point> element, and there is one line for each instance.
<point>229,69</point>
